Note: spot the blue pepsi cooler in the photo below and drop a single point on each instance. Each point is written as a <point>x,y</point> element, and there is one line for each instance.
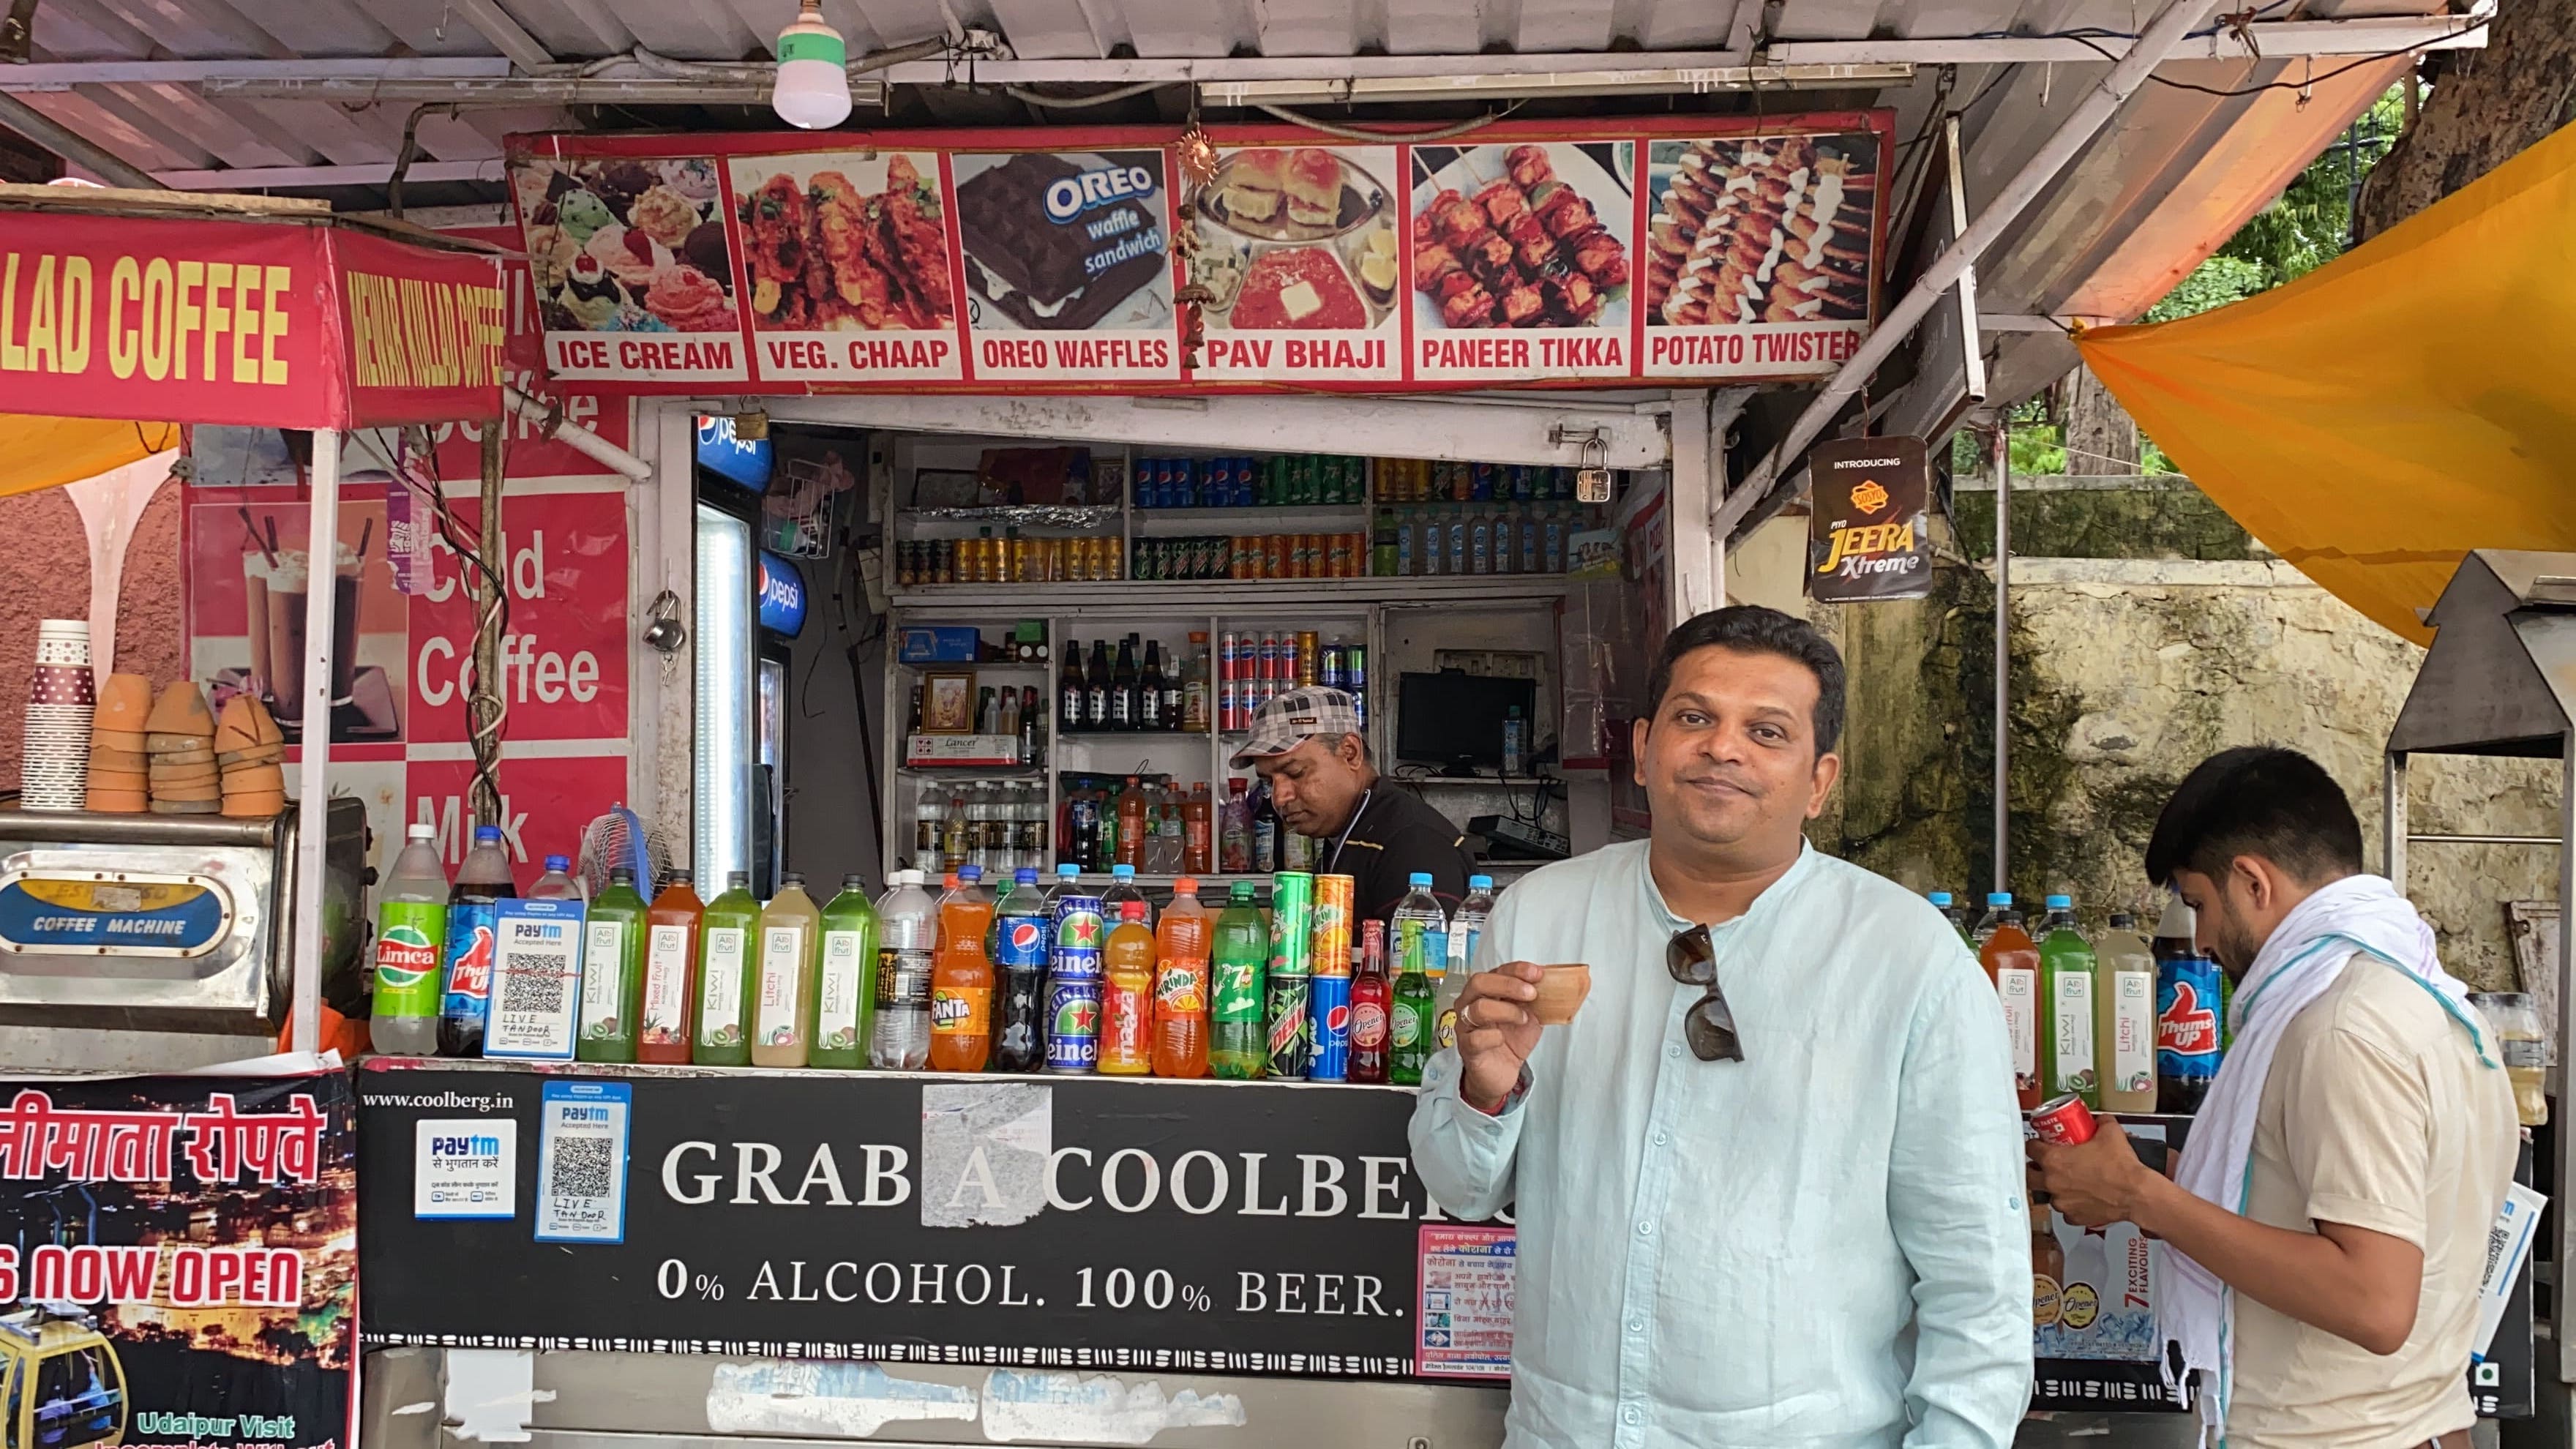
<point>1328,1004</point>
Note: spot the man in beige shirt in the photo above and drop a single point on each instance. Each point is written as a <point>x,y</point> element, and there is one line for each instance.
<point>2362,1123</point>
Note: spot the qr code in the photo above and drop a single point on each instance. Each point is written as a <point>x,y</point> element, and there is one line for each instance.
<point>580,1167</point>
<point>535,982</point>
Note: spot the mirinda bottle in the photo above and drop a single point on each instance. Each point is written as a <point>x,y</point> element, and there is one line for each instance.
<point>961,979</point>
<point>1181,945</point>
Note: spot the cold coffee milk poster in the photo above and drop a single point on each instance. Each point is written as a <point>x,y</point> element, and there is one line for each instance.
<point>399,734</point>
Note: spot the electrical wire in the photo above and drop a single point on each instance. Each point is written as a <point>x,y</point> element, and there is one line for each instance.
<point>2298,85</point>
<point>1075,103</point>
<point>470,553</point>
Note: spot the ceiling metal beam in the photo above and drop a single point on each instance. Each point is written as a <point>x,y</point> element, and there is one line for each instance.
<point>63,75</point>
<point>2274,40</point>
<point>528,91</point>
<point>506,34</point>
<point>1593,80</point>
<point>269,178</point>
<point>72,146</point>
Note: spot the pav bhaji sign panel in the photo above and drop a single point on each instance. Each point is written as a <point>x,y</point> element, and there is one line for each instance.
<point>1548,253</point>
<point>265,323</point>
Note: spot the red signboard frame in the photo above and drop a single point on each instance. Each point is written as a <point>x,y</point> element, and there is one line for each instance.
<point>546,168</point>
<point>283,323</point>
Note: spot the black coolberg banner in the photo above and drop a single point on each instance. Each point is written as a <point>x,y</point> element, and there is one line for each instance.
<point>1077,1222</point>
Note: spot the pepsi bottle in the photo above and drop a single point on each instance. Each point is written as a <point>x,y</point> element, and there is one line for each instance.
<point>2190,997</point>
<point>1021,928</point>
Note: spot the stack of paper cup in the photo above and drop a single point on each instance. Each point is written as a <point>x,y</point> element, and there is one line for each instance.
<point>54,770</point>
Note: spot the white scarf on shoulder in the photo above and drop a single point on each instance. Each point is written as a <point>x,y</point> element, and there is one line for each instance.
<point>2361,913</point>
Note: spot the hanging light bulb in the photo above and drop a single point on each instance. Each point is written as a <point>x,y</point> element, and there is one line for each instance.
<point>813,87</point>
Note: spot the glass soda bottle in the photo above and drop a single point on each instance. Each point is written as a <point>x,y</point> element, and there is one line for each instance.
<point>1410,1021</point>
<point>1238,1042</point>
<point>1127,996</point>
<point>791,932</point>
<point>612,972</point>
<point>725,976</point>
<point>2124,1021</point>
<point>1181,984</point>
<point>1372,1002</point>
<point>907,934</point>
<point>961,979</point>
<point>2011,960</point>
<point>2066,968</point>
<point>411,934</point>
<point>669,1010</point>
<point>846,988</point>
<point>1021,926</point>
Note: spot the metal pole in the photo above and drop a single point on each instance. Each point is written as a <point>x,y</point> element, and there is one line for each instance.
<point>2001,459</point>
<point>2161,38</point>
<point>2566,1185</point>
<point>313,770</point>
<point>72,146</point>
<point>483,702</point>
<point>2393,819</point>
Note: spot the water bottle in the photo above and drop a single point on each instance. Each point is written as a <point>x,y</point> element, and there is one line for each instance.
<point>1122,889</point>
<point>411,930</point>
<point>1465,928</point>
<point>1419,912</point>
<point>907,937</point>
<point>557,883</point>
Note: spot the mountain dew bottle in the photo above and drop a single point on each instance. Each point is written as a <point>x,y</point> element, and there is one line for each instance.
<point>411,932</point>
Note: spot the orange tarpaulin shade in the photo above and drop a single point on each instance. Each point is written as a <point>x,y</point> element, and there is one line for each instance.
<point>48,452</point>
<point>2378,418</point>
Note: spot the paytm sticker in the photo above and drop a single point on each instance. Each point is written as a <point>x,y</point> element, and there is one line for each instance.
<point>465,1167</point>
<point>581,1162</point>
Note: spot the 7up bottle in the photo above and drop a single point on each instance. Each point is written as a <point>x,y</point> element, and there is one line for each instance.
<point>411,930</point>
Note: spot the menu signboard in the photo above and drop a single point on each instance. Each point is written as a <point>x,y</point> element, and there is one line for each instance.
<point>1544,253</point>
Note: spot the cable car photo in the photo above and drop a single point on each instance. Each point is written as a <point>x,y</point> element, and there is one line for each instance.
<point>62,1383</point>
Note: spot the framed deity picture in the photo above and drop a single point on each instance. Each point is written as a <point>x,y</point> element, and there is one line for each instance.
<point>948,701</point>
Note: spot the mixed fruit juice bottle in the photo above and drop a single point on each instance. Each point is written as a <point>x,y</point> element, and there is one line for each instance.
<point>2011,960</point>
<point>667,1018</point>
<point>2067,968</point>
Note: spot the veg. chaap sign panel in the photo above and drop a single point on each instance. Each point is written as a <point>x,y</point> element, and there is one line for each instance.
<point>266,324</point>
<point>1867,538</point>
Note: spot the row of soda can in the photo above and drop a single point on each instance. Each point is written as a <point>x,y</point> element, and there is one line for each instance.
<point>1252,669</point>
<point>1303,1015</point>
<point>1279,481</point>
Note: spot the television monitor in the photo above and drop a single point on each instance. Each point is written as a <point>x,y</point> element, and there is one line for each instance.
<point>1454,720</point>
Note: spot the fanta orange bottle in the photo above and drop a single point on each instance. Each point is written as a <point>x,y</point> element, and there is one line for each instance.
<point>961,979</point>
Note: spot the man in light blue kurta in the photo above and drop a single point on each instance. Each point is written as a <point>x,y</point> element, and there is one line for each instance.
<point>1822,1243</point>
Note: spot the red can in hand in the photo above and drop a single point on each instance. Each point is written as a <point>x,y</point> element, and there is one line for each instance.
<point>2063,1121</point>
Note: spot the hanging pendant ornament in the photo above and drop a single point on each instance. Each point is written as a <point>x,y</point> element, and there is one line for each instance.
<point>1194,294</point>
<point>1196,153</point>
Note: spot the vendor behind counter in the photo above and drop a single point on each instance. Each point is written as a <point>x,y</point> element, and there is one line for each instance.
<point>1308,746</point>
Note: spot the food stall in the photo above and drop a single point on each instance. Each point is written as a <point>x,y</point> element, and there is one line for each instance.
<point>1094,388</point>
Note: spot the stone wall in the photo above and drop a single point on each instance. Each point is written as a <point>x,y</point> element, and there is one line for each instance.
<point>2126,672</point>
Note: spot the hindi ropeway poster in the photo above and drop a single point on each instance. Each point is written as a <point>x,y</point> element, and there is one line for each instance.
<point>178,1261</point>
